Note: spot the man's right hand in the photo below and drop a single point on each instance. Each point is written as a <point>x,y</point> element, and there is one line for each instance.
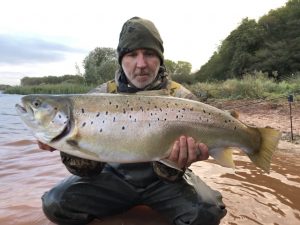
<point>45,147</point>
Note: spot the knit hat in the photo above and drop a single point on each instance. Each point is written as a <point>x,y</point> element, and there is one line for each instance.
<point>139,33</point>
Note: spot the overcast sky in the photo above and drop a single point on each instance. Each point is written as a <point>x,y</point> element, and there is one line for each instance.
<point>48,37</point>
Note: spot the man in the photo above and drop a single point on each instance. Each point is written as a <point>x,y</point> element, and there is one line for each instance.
<point>98,190</point>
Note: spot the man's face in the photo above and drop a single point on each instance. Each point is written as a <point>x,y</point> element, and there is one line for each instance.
<point>141,67</point>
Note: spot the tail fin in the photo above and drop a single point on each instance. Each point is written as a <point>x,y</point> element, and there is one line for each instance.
<point>270,138</point>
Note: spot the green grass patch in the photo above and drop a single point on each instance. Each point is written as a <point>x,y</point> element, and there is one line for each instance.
<point>48,89</point>
<point>252,86</point>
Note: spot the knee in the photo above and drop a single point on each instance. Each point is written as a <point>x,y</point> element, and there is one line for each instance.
<point>51,207</point>
<point>203,214</point>
<point>210,214</point>
<point>56,212</point>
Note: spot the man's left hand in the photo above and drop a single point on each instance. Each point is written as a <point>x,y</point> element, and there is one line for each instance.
<point>186,151</point>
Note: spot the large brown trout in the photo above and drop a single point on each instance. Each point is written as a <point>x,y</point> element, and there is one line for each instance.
<point>138,128</point>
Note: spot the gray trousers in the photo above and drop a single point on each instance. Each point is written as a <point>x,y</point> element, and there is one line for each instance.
<point>78,200</point>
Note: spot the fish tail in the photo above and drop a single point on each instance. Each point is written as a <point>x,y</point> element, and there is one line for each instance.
<point>269,141</point>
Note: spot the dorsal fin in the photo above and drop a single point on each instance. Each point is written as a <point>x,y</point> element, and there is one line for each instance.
<point>233,113</point>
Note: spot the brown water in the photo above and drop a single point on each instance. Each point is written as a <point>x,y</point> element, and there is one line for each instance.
<point>252,197</point>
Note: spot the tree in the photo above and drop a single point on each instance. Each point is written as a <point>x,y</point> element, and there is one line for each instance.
<point>270,45</point>
<point>100,65</point>
<point>180,71</point>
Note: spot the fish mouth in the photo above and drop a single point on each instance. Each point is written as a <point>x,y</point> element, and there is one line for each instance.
<point>20,109</point>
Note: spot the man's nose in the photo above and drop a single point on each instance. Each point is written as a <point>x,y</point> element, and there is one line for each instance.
<point>141,62</point>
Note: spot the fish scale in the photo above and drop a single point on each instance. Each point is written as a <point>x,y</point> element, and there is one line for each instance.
<point>138,128</point>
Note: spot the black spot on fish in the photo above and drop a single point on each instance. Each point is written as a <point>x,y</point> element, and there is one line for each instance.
<point>204,111</point>
<point>83,124</point>
<point>235,128</point>
<point>123,128</point>
<point>149,124</point>
<point>82,110</point>
<point>151,114</point>
<point>114,119</point>
<point>141,108</point>
<point>165,119</point>
<point>55,108</point>
<point>103,121</point>
<point>134,120</point>
<point>100,130</point>
<point>92,122</point>
<point>106,113</point>
<point>124,111</point>
<point>130,116</point>
<point>177,117</point>
<point>183,109</point>
<point>209,113</point>
<point>117,106</point>
<point>225,121</point>
<point>98,114</point>
<point>158,119</point>
<point>72,142</point>
<point>110,103</point>
<point>191,109</point>
<point>59,116</point>
<point>131,109</point>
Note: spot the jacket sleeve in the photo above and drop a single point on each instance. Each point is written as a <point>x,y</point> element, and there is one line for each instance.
<point>167,173</point>
<point>81,167</point>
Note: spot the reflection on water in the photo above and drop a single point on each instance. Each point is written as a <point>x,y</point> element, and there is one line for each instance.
<point>252,197</point>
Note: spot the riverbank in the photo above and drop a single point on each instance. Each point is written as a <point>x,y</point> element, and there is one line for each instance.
<point>268,113</point>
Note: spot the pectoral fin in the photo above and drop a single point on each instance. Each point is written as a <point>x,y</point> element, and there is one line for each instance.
<point>223,156</point>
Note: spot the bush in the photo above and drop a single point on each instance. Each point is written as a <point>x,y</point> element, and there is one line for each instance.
<point>252,86</point>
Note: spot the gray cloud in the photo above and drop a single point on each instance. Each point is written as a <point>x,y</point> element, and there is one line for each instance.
<point>19,50</point>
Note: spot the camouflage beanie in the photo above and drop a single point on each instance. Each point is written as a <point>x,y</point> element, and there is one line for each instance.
<point>139,33</point>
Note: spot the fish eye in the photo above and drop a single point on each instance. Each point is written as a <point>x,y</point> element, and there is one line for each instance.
<point>36,103</point>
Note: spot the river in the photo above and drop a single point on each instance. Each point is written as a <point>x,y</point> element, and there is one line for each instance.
<point>252,197</point>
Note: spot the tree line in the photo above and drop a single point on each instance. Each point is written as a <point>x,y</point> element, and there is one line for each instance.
<point>271,45</point>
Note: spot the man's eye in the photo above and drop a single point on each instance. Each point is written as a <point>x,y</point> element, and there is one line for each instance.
<point>131,54</point>
<point>150,53</point>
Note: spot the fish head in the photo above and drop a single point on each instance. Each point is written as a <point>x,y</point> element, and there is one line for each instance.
<point>47,116</point>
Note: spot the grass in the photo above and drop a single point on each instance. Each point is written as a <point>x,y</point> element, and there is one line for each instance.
<point>48,89</point>
<point>256,86</point>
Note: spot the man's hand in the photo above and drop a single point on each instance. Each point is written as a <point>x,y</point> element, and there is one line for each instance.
<point>186,151</point>
<point>45,147</point>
